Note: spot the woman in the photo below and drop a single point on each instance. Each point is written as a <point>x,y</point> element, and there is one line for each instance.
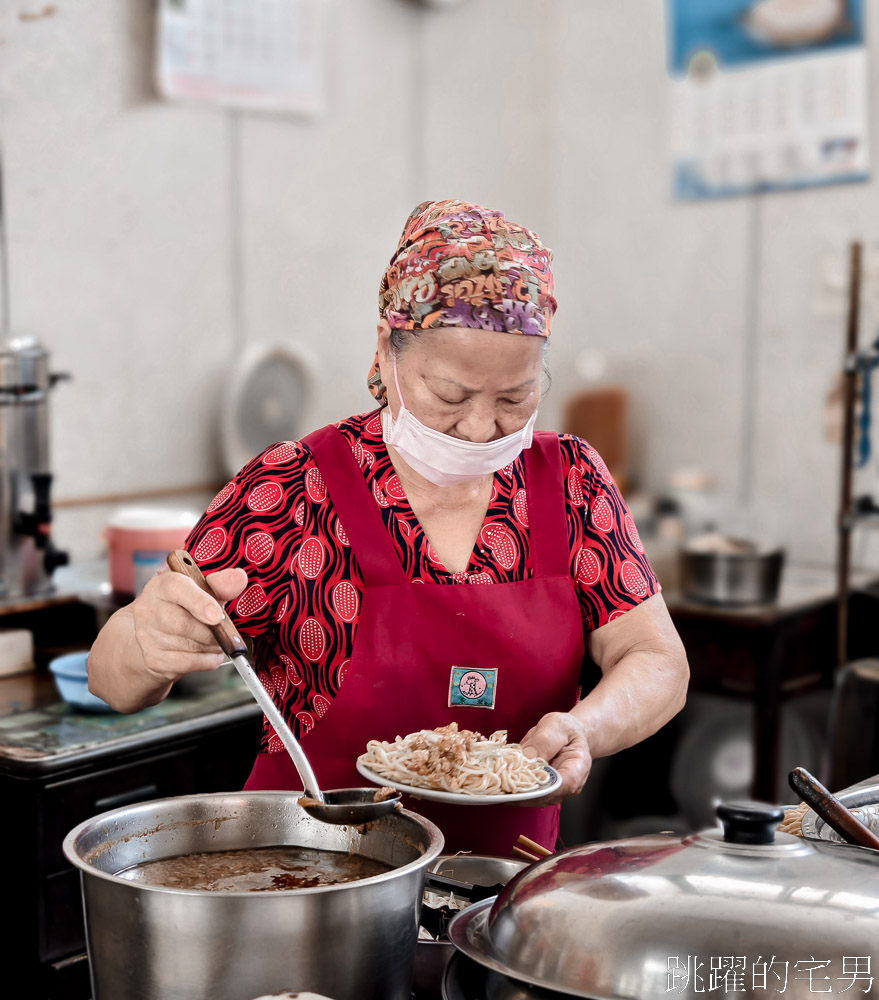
<point>524,550</point>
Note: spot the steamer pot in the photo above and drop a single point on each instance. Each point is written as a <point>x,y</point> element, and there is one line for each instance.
<point>353,941</point>
<point>464,979</point>
<point>662,915</point>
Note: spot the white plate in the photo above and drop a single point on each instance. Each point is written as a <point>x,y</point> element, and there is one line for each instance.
<point>461,798</point>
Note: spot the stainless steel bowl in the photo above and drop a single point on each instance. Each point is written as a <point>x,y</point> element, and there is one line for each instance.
<point>633,918</point>
<point>478,869</point>
<point>731,578</point>
<point>350,942</point>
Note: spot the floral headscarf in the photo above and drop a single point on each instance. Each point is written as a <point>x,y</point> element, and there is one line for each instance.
<point>459,264</point>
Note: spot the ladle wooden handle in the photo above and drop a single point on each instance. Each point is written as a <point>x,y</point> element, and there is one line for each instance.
<point>831,810</point>
<point>228,639</point>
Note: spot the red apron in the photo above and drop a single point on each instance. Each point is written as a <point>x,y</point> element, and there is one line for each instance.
<point>409,638</point>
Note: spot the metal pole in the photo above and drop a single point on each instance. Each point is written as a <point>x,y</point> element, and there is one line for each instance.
<point>5,327</point>
<point>850,376</point>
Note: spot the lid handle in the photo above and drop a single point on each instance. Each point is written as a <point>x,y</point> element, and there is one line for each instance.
<point>749,822</point>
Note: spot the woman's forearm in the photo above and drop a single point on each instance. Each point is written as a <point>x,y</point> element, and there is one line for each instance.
<point>117,672</point>
<point>644,676</point>
<point>162,635</point>
<point>633,699</point>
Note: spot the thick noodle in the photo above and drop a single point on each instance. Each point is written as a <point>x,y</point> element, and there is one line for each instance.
<point>453,760</point>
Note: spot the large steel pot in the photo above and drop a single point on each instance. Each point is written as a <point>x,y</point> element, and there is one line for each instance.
<point>731,578</point>
<point>353,941</point>
<point>744,910</point>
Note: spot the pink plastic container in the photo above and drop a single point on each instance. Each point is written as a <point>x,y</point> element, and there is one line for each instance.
<point>139,540</point>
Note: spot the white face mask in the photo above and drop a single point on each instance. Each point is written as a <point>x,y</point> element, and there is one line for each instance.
<point>446,460</point>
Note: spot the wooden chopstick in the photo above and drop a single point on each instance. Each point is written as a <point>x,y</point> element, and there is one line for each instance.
<point>538,849</point>
<point>525,855</point>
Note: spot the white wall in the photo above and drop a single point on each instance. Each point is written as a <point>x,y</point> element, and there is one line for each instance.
<point>150,244</point>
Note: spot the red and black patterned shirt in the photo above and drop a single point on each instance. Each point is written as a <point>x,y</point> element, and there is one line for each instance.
<point>303,596</point>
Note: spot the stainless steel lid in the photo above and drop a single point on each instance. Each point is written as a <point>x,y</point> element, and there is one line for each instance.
<point>658,915</point>
<point>24,365</point>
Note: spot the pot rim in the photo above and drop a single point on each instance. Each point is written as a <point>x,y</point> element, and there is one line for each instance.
<point>146,519</point>
<point>431,852</point>
<point>468,933</point>
<point>761,555</point>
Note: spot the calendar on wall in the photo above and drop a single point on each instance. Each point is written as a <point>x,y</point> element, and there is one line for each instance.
<point>262,55</point>
<point>767,95</point>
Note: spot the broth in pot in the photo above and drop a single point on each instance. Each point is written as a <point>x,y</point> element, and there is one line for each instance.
<point>256,869</point>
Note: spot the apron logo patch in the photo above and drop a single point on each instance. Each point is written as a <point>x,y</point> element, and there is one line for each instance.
<point>472,688</point>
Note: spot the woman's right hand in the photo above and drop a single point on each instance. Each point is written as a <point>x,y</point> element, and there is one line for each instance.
<point>171,622</point>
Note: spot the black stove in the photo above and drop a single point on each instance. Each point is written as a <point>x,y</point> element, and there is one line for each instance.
<point>60,766</point>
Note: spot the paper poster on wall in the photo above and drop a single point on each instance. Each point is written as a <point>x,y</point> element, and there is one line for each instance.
<point>253,54</point>
<point>767,95</point>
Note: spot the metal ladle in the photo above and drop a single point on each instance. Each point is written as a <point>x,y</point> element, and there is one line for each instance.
<point>340,806</point>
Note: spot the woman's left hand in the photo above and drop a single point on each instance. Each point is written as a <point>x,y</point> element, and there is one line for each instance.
<point>561,740</point>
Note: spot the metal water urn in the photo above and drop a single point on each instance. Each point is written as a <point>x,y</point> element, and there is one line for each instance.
<point>27,555</point>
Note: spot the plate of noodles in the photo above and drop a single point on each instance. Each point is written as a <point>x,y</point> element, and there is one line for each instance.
<point>458,765</point>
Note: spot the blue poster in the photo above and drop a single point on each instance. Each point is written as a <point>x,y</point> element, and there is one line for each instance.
<point>767,95</point>
<point>739,31</point>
